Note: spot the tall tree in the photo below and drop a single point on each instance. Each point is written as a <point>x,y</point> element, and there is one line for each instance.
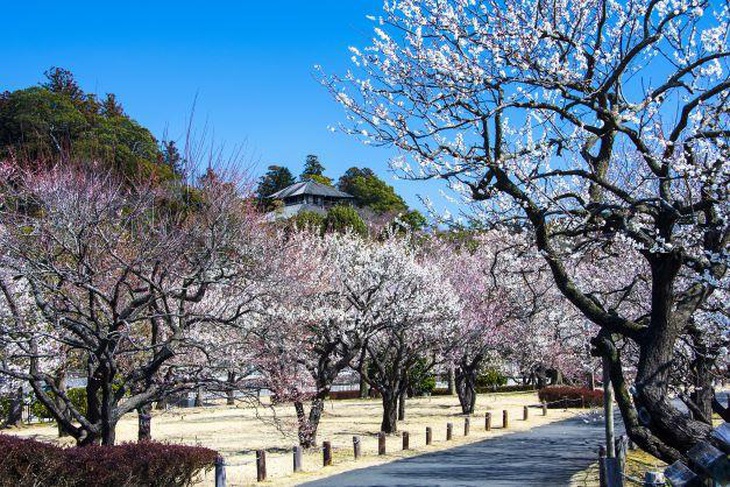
<point>371,191</point>
<point>314,171</point>
<point>597,124</point>
<point>275,179</point>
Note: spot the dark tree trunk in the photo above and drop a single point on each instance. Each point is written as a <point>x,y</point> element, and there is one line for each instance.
<point>308,424</point>
<point>402,406</point>
<point>60,383</point>
<point>15,411</point>
<point>651,420</point>
<point>199,398</point>
<point>390,412</point>
<point>144,423</point>
<point>701,398</point>
<point>466,387</point>
<point>231,389</point>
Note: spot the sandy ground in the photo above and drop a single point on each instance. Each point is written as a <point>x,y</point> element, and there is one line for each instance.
<point>237,431</point>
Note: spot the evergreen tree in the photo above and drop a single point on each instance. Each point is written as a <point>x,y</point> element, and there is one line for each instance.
<point>275,179</point>
<point>370,191</point>
<point>57,122</point>
<point>314,171</point>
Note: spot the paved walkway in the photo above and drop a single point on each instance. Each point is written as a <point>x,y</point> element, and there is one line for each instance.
<point>544,456</point>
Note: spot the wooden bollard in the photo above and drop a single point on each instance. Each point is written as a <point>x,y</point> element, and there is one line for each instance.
<point>544,408</point>
<point>326,454</point>
<point>467,423</point>
<point>297,458</point>
<point>488,421</point>
<point>220,472</point>
<point>505,419</point>
<point>449,431</point>
<point>260,465</point>
<point>406,440</point>
<point>381,443</point>
<point>525,413</point>
<point>356,446</point>
<point>602,466</point>
<point>429,435</point>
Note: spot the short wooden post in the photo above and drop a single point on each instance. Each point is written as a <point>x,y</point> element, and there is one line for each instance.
<point>297,457</point>
<point>602,466</point>
<point>544,408</point>
<point>525,413</point>
<point>381,443</point>
<point>467,424</point>
<point>449,431</point>
<point>429,435</point>
<point>260,465</point>
<point>220,472</point>
<point>406,440</point>
<point>505,419</point>
<point>326,454</point>
<point>488,421</point>
<point>356,446</point>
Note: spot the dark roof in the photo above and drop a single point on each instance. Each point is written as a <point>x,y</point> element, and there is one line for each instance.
<point>309,187</point>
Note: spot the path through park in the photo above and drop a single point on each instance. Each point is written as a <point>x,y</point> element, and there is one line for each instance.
<point>544,456</point>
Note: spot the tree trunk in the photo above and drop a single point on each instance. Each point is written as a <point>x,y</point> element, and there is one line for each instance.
<point>402,406</point>
<point>144,423</point>
<point>656,357</point>
<point>199,398</point>
<point>308,425</point>
<point>390,412</point>
<point>15,411</point>
<point>60,383</point>
<point>108,433</point>
<point>452,381</point>
<point>231,389</point>
<point>702,396</point>
<point>466,382</point>
<point>364,387</point>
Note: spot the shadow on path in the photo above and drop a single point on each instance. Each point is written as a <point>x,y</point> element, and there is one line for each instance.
<point>544,456</point>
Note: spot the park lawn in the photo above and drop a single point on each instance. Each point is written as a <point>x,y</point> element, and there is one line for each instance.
<point>237,431</point>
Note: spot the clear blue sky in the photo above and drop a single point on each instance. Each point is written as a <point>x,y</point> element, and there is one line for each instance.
<point>250,64</point>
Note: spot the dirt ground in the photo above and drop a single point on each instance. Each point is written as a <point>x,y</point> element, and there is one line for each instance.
<point>237,431</point>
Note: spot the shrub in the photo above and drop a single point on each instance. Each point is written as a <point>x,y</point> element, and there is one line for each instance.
<point>77,396</point>
<point>29,462</point>
<point>558,397</point>
<point>491,378</point>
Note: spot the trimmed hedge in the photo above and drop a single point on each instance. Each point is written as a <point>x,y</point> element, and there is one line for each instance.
<point>561,397</point>
<point>30,462</point>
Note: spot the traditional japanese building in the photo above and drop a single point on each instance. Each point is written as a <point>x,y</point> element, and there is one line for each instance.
<point>307,196</point>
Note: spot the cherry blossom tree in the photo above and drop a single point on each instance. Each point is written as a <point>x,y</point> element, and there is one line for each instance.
<point>109,280</point>
<point>413,310</point>
<point>596,123</point>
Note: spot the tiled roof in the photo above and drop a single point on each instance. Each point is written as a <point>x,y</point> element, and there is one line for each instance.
<point>309,187</point>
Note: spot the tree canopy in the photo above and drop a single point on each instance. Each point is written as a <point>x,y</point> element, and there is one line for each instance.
<point>58,122</point>
<point>275,179</point>
<point>314,171</point>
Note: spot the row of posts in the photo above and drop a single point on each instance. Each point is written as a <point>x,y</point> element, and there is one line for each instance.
<point>220,473</point>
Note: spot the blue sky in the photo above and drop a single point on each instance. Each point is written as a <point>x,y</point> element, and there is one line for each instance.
<point>250,64</point>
